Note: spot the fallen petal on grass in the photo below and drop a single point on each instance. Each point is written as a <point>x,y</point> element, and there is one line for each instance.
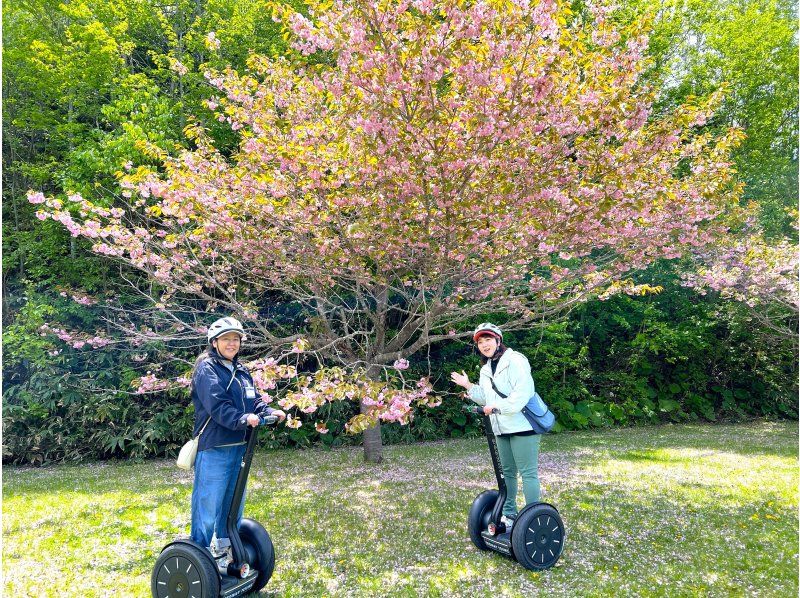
<point>689,510</point>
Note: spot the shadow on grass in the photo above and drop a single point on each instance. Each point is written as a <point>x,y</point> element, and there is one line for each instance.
<point>755,438</point>
<point>642,518</point>
<point>658,455</point>
<point>610,525</point>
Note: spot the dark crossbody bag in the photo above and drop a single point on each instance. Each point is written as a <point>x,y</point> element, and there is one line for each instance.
<point>541,424</point>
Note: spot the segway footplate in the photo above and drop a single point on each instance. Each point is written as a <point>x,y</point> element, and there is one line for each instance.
<point>231,586</point>
<point>499,543</point>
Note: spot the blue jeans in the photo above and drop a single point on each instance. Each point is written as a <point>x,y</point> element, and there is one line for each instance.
<point>215,472</point>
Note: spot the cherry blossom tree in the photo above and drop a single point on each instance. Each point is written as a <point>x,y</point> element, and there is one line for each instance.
<point>758,273</point>
<point>410,166</point>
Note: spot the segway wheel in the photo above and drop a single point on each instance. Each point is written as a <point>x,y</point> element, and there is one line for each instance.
<point>479,515</point>
<point>537,537</point>
<point>181,571</point>
<point>260,552</point>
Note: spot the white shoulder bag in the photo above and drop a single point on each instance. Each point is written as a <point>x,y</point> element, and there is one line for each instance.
<point>189,450</point>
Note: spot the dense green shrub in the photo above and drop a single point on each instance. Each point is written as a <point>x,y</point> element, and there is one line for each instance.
<point>675,357</point>
<point>67,404</point>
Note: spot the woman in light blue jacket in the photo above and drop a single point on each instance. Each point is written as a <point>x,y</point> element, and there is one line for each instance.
<point>506,385</point>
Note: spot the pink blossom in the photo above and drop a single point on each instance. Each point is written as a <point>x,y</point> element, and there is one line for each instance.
<point>212,43</point>
<point>365,173</point>
<point>178,67</point>
<point>299,346</point>
<point>150,383</point>
<point>98,342</point>
<point>82,299</point>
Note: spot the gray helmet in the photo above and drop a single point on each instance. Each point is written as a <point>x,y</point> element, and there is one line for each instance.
<point>487,328</point>
<point>224,325</point>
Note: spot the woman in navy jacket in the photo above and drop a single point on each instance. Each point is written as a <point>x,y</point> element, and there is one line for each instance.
<point>225,404</point>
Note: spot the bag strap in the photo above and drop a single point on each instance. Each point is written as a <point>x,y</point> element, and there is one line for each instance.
<point>204,427</point>
<point>505,396</point>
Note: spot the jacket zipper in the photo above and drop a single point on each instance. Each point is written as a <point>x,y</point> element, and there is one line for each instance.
<point>492,377</point>
<point>497,421</point>
<point>241,398</point>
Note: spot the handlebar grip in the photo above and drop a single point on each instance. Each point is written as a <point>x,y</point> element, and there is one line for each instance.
<point>478,410</point>
<point>268,420</point>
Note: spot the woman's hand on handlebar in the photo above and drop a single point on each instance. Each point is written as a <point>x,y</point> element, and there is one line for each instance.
<point>253,420</point>
<point>263,409</point>
<point>489,409</point>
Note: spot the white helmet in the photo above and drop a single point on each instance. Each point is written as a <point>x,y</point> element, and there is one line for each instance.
<point>487,328</point>
<point>224,325</point>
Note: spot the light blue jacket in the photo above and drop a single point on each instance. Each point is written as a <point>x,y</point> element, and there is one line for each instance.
<point>513,378</point>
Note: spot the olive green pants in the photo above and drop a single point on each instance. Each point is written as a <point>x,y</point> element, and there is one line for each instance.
<point>519,454</point>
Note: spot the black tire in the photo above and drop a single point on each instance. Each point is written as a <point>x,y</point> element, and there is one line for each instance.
<point>182,571</point>
<point>537,537</point>
<point>479,514</point>
<point>260,552</point>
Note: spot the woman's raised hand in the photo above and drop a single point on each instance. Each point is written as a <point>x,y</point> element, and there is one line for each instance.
<point>461,379</point>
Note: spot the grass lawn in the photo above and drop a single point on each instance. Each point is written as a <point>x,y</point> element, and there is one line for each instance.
<point>690,510</point>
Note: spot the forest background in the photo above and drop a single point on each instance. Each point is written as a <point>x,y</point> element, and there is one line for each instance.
<point>91,87</point>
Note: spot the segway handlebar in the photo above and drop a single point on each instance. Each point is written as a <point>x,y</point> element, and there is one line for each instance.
<point>268,420</point>
<point>478,410</point>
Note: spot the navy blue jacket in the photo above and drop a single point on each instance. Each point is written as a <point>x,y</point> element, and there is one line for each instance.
<point>228,397</point>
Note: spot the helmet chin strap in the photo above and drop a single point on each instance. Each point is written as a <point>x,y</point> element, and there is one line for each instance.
<point>216,350</point>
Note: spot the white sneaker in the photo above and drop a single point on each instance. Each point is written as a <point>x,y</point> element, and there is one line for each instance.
<point>509,523</point>
<point>226,558</point>
<point>221,552</point>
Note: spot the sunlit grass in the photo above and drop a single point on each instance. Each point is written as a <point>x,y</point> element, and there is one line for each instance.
<point>664,511</point>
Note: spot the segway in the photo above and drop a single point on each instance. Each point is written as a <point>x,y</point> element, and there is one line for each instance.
<point>187,570</point>
<point>536,539</point>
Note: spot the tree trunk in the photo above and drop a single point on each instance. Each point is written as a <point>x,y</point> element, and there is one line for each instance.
<point>373,446</point>
<point>16,217</point>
